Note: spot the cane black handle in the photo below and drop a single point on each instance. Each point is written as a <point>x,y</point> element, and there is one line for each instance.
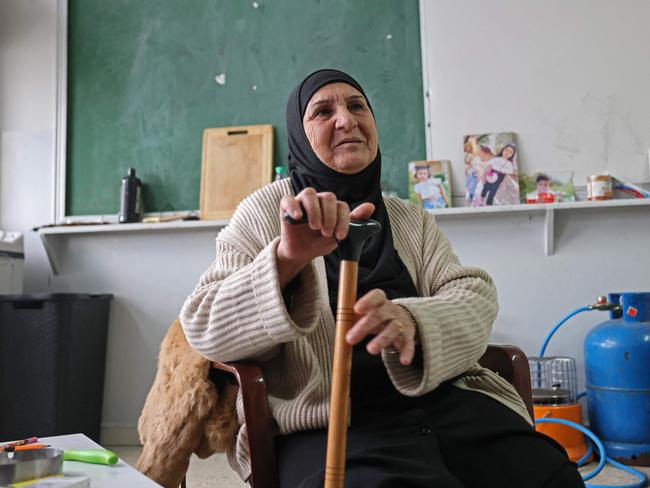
<point>288,218</point>
<point>358,233</point>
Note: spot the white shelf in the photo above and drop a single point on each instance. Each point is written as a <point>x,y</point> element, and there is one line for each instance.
<point>51,236</point>
<point>542,207</point>
<point>136,227</point>
<point>548,208</point>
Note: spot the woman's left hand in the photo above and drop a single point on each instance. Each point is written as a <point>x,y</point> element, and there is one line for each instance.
<point>388,321</point>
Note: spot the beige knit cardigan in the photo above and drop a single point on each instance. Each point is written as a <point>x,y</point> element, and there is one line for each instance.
<point>237,311</point>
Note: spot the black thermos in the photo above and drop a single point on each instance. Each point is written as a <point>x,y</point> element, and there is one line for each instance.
<point>130,198</point>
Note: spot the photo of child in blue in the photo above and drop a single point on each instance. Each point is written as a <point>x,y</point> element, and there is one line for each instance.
<point>429,189</point>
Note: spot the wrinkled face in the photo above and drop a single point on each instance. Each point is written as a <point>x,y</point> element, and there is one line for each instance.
<point>340,128</point>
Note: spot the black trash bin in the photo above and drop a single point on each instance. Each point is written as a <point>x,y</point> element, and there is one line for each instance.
<point>52,363</point>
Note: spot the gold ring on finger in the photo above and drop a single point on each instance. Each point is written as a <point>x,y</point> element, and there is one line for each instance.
<point>400,328</point>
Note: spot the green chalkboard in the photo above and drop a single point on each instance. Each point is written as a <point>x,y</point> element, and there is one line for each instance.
<point>142,85</point>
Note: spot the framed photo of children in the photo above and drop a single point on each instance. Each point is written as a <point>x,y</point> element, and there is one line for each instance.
<point>430,183</point>
<point>547,187</point>
<point>491,170</point>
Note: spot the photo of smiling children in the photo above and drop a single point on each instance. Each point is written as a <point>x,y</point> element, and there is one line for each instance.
<point>491,169</point>
<point>429,183</point>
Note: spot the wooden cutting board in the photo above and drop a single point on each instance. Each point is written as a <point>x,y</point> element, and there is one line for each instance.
<point>236,161</point>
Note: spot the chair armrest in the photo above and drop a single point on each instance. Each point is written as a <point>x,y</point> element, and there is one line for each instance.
<point>511,364</point>
<point>259,422</point>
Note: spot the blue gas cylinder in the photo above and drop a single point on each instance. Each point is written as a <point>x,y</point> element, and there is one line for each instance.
<point>617,363</point>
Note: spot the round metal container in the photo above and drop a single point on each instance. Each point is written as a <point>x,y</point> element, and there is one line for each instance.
<point>600,187</point>
<point>551,396</point>
<point>28,465</point>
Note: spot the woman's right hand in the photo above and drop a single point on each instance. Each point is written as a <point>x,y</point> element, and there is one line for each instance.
<point>328,219</point>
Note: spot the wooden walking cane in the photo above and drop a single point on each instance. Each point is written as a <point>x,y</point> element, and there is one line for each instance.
<point>349,252</point>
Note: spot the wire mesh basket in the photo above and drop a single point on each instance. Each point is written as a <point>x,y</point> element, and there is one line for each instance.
<point>553,380</point>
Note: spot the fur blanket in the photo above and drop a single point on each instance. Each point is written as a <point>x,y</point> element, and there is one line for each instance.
<point>183,413</point>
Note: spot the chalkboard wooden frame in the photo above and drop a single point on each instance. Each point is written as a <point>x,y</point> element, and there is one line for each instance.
<point>61,107</point>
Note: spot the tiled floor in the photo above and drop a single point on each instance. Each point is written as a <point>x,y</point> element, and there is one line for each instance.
<point>213,472</point>
<point>612,476</point>
<point>216,473</point>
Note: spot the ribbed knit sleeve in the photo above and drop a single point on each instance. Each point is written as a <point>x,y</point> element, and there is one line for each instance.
<point>237,310</point>
<point>454,315</point>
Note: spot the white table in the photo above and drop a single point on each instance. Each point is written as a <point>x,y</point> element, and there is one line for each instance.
<point>101,476</point>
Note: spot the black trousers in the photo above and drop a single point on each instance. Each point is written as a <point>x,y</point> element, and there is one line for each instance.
<point>450,438</point>
<point>490,189</point>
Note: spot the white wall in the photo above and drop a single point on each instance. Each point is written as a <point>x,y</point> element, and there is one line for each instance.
<point>570,78</point>
<point>597,251</point>
<point>150,274</point>
<point>27,124</point>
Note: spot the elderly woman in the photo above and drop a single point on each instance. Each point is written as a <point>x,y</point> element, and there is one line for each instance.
<point>423,413</point>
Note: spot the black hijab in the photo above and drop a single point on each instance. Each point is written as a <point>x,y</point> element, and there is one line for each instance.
<point>380,265</point>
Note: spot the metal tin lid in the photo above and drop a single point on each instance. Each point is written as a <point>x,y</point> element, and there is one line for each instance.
<point>600,177</point>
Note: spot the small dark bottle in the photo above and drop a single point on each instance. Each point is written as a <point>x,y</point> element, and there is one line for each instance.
<point>130,198</point>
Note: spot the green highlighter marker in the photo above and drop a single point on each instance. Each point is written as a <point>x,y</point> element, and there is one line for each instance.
<point>95,456</point>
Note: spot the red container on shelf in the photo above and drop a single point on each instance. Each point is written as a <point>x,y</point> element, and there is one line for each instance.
<point>535,197</point>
